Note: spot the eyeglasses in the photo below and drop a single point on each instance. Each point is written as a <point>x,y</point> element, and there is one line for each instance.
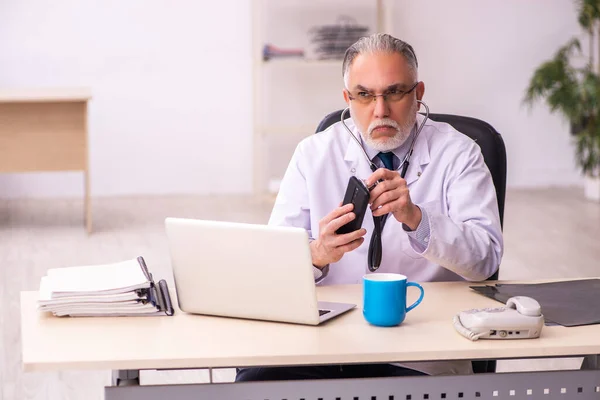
<point>391,96</point>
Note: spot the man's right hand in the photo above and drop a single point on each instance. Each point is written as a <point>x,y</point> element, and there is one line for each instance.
<point>330,247</point>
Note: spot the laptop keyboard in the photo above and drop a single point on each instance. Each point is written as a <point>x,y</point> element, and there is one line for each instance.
<point>323,312</point>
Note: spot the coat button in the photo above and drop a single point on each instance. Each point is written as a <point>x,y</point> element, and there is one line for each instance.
<point>353,170</point>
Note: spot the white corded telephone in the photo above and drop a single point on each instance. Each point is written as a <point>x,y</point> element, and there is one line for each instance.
<point>521,318</point>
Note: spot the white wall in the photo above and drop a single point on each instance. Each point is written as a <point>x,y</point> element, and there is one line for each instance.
<point>172,84</point>
<point>476,58</point>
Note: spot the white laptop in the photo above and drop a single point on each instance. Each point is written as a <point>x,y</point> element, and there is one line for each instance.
<point>246,271</point>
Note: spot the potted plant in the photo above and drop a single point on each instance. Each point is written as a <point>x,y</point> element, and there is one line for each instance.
<point>574,92</point>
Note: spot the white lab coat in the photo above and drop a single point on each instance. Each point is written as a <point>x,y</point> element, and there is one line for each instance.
<point>447,177</point>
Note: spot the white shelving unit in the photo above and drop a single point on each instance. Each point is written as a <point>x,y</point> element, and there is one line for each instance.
<point>292,95</point>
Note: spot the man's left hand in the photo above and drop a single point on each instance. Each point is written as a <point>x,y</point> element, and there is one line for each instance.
<point>392,196</point>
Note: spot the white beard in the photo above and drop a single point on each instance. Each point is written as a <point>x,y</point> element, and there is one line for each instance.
<point>390,143</point>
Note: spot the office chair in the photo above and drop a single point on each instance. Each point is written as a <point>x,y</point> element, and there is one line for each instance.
<point>494,155</point>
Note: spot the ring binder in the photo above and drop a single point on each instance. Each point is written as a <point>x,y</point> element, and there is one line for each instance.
<point>158,294</point>
<point>164,291</point>
<point>144,268</point>
<point>117,289</point>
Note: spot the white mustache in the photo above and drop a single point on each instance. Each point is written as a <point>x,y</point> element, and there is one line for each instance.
<point>382,122</point>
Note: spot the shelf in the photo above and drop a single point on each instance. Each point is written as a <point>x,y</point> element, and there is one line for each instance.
<point>287,129</point>
<point>285,86</point>
<point>301,62</point>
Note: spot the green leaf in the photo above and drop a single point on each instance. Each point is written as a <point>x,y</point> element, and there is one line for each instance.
<point>573,92</point>
<point>588,12</point>
<point>557,82</point>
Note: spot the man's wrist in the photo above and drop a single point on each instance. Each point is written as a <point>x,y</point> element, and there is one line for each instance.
<point>321,267</point>
<point>420,237</point>
<point>415,218</point>
<point>316,262</point>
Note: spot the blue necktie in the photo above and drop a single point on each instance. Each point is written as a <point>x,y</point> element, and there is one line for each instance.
<point>388,160</point>
<point>375,250</point>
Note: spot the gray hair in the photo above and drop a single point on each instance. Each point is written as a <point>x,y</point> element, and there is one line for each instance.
<point>379,42</point>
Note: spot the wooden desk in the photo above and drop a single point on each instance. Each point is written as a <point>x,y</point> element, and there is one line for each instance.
<point>193,341</point>
<point>46,130</point>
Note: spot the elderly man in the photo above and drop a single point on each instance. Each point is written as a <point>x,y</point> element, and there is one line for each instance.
<point>439,222</point>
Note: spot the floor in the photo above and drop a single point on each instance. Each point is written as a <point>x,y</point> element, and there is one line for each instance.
<point>549,233</point>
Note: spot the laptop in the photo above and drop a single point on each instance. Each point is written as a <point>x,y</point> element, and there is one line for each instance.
<point>242,270</point>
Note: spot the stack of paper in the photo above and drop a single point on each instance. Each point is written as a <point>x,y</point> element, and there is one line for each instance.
<point>124,288</point>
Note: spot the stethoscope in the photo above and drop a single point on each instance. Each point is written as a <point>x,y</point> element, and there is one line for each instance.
<point>375,248</point>
<point>406,160</point>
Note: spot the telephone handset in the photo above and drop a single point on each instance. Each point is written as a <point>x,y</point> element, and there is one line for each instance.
<point>521,318</point>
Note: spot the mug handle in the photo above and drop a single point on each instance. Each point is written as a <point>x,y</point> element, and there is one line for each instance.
<point>416,303</point>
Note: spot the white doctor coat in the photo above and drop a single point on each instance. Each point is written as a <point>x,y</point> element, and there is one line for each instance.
<point>447,177</point>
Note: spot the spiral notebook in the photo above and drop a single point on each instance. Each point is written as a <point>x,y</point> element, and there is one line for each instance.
<point>119,289</point>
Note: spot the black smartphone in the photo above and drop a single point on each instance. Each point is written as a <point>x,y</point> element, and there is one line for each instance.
<point>357,193</point>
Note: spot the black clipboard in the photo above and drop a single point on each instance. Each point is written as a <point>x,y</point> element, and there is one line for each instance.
<point>566,303</point>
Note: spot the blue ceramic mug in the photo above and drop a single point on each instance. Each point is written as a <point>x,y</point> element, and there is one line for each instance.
<point>384,298</point>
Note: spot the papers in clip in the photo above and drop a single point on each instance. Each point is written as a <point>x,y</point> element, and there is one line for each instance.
<point>119,289</point>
